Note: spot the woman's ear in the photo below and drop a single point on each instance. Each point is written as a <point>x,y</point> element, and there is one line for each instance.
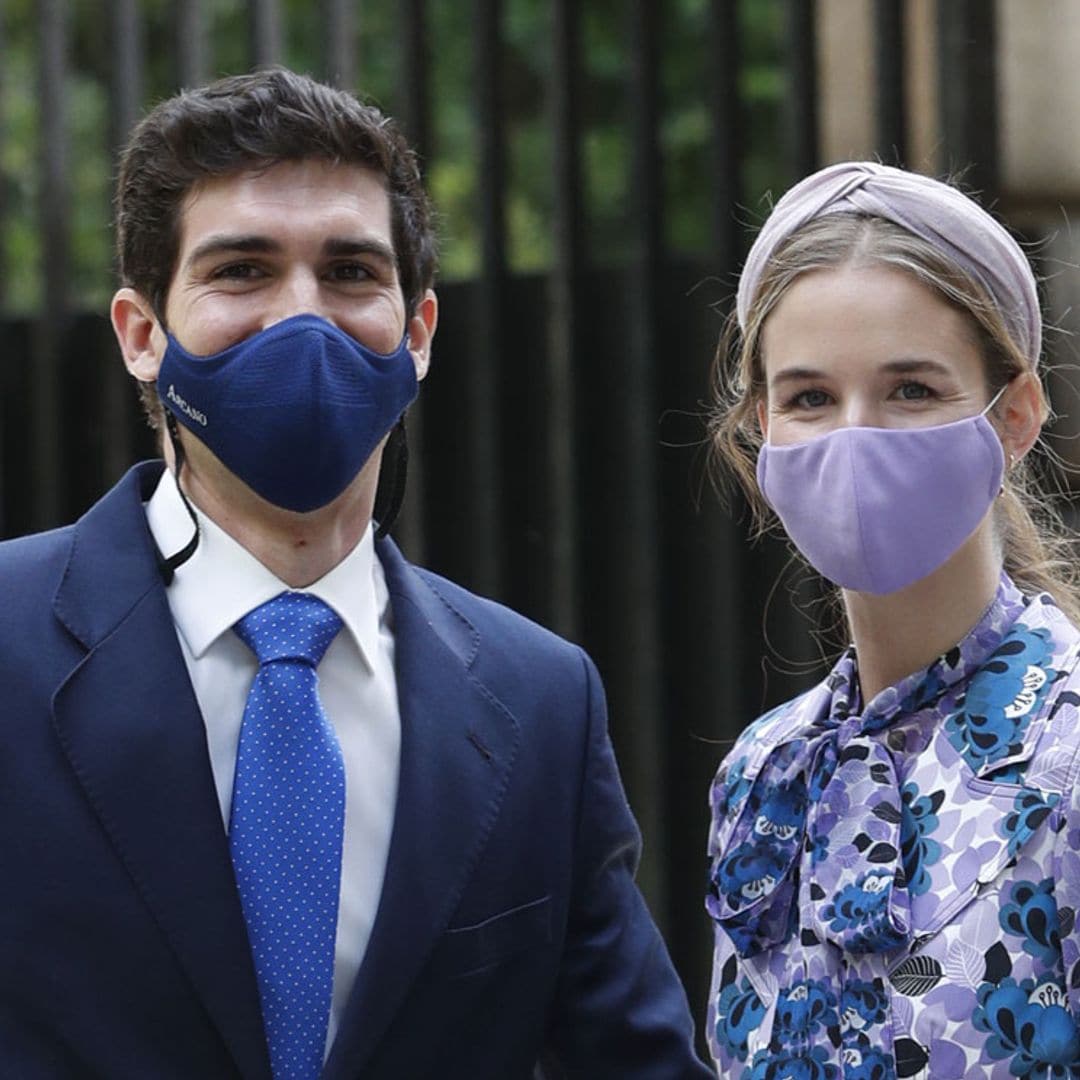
<point>1019,415</point>
<point>139,334</point>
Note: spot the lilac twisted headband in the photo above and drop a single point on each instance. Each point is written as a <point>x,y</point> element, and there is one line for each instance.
<point>943,216</point>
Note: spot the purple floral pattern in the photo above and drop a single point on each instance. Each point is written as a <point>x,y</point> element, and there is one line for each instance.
<point>894,888</point>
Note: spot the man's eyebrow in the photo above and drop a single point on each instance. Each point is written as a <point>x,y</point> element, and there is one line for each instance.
<point>222,243</point>
<point>338,246</point>
<point>255,244</point>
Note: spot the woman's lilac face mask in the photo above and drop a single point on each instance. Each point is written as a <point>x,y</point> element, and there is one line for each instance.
<point>879,459</point>
<point>877,509</point>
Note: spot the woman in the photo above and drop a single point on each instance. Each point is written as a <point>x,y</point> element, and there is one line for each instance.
<point>896,853</point>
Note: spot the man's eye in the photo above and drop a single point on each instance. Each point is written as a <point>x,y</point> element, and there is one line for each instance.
<point>350,272</point>
<point>236,272</point>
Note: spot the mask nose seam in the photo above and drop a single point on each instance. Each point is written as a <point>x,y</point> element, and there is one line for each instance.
<point>863,554</point>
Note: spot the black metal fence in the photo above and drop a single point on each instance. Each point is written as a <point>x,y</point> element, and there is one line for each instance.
<point>558,446</point>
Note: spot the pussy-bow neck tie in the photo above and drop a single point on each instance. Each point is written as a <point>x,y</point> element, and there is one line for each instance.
<point>835,783</point>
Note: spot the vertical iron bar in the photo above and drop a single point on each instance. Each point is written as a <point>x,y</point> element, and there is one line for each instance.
<point>125,96</point>
<point>415,120</point>
<point>564,286</point>
<point>125,70</point>
<point>190,43</point>
<point>786,634</point>
<point>3,178</point>
<point>889,56</point>
<point>635,593</point>
<point>264,26</point>
<point>6,356</point>
<point>414,88</point>
<point>724,126</point>
<point>55,254</point>
<point>967,81</point>
<point>705,598</point>
<point>802,88</point>
<point>487,344</point>
<point>338,41</point>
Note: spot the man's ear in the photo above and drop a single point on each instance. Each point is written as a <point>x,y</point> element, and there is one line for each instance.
<point>1019,415</point>
<point>140,336</point>
<point>421,330</point>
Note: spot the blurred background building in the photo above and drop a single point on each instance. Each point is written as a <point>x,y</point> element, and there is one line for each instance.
<point>598,166</point>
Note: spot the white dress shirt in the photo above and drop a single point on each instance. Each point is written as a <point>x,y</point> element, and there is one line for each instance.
<point>220,584</point>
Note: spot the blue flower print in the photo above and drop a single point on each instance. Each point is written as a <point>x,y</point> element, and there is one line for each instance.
<point>867,1062</point>
<point>1003,697</point>
<point>858,914</point>
<point>739,1011</point>
<point>748,873</point>
<point>735,788</point>
<point>1030,810</point>
<point>801,1011</point>
<point>823,769</point>
<point>862,1005</point>
<point>755,867</point>
<point>783,810</point>
<point>918,818</point>
<point>1031,1025</point>
<point>813,1065</point>
<point>1033,915</point>
<point>818,847</point>
<point>927,690</point>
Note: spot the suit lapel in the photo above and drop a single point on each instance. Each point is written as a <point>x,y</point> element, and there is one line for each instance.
<point>130,726</point>
<point>457,752</point>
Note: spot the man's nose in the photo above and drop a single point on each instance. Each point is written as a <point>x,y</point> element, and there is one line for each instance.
<point>297,294</point>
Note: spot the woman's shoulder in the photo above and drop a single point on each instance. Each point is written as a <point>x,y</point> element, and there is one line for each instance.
<point>774,727</point>
<point>741,765</point>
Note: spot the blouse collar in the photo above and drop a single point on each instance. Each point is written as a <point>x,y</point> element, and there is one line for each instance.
<point>924,687</point>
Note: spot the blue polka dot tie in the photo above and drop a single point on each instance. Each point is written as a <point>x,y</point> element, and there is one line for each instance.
<point>285,831</point>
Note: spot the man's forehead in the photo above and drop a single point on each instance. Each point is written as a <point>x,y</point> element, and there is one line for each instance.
<point>349,186</point>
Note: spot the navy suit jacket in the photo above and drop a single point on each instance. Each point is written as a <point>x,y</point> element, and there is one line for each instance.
<point>509,929</point>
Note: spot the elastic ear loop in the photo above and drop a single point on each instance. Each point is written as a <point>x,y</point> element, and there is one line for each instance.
<point>392,481</point>
<point>167,566</point>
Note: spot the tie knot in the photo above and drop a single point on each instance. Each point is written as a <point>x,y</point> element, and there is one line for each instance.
<point>292,626</point>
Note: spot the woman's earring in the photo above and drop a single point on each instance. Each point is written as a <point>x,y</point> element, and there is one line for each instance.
<point>1008,469</point>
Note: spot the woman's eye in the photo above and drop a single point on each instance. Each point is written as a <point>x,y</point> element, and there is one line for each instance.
<point>914,391</point>
<point>810,399</point>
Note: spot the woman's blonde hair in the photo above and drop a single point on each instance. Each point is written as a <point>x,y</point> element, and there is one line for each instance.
<point>1037,548</point>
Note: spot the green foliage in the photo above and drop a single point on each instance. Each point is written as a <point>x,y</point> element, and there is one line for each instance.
<point>452,159</point>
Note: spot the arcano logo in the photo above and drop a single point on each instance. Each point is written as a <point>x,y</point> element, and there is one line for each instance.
<point>184,407</point>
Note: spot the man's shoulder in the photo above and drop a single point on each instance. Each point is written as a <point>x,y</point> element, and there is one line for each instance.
<point>99,555</point>
<point>491,615</point>
<point>33,554</point>
<point>483,629</point>
<point>42,550</point>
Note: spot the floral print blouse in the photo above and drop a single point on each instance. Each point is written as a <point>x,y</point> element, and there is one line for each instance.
<point>894,888</point>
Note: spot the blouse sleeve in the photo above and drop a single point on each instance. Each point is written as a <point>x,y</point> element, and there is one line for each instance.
<point>1066,875</point>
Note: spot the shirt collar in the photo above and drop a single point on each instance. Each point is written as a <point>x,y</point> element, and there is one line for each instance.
<point>223,581</point>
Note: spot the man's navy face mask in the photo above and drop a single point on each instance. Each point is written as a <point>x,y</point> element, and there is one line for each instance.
<point>294,411</point>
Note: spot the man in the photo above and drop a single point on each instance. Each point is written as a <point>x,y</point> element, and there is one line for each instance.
<point>417,862</point>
